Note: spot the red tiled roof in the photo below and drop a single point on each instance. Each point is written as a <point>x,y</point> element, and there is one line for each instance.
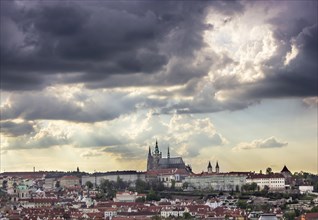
<point>311,216</point>
<point>265,176</point>
<point>169,171</point>
<point>222,174</point>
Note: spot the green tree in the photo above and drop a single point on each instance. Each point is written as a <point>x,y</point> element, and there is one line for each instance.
<point>269,170</point>
<point>185,185</point>
<point>290,215</point>
<point>314,209</point>
<point>187,215</point>
<point>141,199</point>
<point>157,186</point>
<point>141,186</point>
<point>152,196</point>
<point>253,187</point>
<point>266,188</point>
<point>89,184</point>
<point>242,204</point>
<point>120,184</point>
<point>173,184</point>
<point>108,188</point>
<point>57,184</point>
<point>4,184</point>
<point>237,188</point>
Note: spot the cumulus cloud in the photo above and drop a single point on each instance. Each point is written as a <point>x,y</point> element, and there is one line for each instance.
<point>185,134</point>
<point>126,138</point>
<point>89,154</point>
<point>271,142</point>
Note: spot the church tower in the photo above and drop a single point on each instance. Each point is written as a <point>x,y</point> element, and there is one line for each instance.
<point>217,168</point>
<point>209,167</point>
<point>149,160</point>
<point>156,157</point>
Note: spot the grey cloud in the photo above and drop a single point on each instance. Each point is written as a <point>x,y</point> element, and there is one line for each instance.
<point>120,44</point>
<point>32,141</point>
<point>126,152</point>
<point>46,106</point>
<point>98,39</point>
<point>271,142</point>
<point>31,107</point>
<point>90,154</point>
<point>96,139</point>
<point>299,78</point>
<point>13,129</point>
<point>59,20</point>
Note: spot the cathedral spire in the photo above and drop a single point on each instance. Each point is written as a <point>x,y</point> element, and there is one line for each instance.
<point>156,148</point>
<point>168,155</point>
<point>217,168</point>
<point>149,152</point>
<point>209,167</point>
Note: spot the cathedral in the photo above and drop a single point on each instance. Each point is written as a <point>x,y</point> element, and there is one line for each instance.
<point>155,160</point>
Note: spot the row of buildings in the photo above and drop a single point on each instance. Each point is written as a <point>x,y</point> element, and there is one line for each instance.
<point>173,172</point>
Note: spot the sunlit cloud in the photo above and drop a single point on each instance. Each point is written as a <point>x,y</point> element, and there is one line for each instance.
<point>149,70</point>
<point>271,142</point>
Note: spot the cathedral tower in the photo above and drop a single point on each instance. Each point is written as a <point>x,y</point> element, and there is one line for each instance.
<point>149,160</point>
<point>217,168</point>
<point>209,167</point>
<point>156,157</point>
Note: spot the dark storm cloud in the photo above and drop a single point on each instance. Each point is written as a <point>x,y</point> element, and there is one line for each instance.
<point>97,39</point>
<point>13,129</point>
<point>297,79</point>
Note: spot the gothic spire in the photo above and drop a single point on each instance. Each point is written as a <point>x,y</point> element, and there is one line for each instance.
<point>209,167</point>
<point>217,168</point>
<point>149,152</point>
<point>157,148</point>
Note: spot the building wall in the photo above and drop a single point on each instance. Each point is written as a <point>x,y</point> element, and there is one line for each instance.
<point>272,183</point>
<point>113,177</point>
<point>306,189</point>
<point>49,183</point>
<point>125,197</point>
<point>68,182</point>
<point>217,182</point>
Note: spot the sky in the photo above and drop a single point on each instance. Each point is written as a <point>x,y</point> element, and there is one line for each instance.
<point>92,84</point>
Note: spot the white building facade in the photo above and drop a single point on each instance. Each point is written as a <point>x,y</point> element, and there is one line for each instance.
<point>274,181</point>
<point>127,176</point>
<point>217,181</point>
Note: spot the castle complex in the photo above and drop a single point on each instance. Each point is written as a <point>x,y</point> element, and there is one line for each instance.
<point>155,160</point>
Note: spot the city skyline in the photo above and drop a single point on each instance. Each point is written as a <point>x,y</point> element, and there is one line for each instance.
<point>93,84</point>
